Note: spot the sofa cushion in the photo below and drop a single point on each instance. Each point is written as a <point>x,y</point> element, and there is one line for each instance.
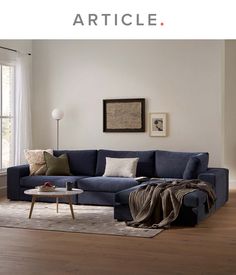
<point>193,199</point>
<point>105,184</point>
<point>190,171</point>
<point>172,164</point>
<point>121,167</point>
<point>59,181</point>
<point>81,162</point>
<point>145,167</point>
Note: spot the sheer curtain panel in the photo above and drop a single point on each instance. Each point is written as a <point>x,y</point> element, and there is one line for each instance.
<point>23,131</point>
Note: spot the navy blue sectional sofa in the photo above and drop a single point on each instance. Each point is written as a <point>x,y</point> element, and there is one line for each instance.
<point>87,168</point>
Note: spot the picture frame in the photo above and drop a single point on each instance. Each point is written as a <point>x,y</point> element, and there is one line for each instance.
<point>158,124</point>
<point>124,115</point>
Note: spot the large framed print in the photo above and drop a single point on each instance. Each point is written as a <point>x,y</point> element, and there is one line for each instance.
<point>124,115</point>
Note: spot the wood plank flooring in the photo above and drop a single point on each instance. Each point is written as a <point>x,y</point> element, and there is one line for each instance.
<point>209,248</point>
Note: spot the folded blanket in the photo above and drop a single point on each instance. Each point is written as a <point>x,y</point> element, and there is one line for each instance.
<point>158,204</point>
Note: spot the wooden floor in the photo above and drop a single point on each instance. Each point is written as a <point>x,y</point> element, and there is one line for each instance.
<point>209,248</point>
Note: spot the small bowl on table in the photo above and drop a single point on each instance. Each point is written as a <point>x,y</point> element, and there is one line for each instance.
<point>43,188</point>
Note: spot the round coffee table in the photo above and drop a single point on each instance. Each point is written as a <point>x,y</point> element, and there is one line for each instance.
<point>57,193</point>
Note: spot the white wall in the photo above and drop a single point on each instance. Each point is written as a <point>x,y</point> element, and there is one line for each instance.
<point>230,110</point>
<point>182,78</point>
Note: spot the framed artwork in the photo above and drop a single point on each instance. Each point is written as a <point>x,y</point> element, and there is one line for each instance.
<point>158,124</point>
<point>124,115</point>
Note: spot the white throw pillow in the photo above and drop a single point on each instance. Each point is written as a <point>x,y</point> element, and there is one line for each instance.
<point>121,167</point>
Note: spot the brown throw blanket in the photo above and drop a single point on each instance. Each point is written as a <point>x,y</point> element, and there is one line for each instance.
<point>158,204</point>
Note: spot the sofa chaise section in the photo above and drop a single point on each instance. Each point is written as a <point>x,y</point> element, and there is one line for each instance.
<point>192,212</point>
<point>171,165</point>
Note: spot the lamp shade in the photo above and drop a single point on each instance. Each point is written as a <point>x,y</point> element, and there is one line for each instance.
<point>57,114</point>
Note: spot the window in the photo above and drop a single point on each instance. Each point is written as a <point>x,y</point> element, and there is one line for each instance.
<point>7,91</point>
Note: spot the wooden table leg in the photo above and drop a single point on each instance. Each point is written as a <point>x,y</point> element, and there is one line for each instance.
<point>57,203</point>
<point>71,207</point>
<point>32,206</point>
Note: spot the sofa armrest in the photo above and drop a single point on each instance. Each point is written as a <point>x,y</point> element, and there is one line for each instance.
<point>219,180</point>
<point>14,174</point>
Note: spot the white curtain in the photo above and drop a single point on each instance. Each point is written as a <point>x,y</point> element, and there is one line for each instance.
<point>23,131</point>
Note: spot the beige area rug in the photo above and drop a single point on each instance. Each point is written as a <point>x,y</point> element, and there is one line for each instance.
<point>88,219</point>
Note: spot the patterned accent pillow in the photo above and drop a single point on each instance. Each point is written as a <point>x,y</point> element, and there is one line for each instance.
<point>121,167</point>
<point>36,161</point>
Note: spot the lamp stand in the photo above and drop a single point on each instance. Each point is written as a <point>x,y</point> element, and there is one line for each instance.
<point>57,114</point>
<point>58,134</point>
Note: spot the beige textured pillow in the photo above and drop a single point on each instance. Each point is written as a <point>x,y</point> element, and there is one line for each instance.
<point>121,167</point>
<point>36,161</point>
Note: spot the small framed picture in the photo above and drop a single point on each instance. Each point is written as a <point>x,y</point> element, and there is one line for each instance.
<point>158,124</point>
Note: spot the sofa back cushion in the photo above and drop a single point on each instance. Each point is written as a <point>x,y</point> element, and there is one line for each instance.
<point>190,171</point>
<point>81,162</point>
<point>172,164</point>
<point>146,162</point>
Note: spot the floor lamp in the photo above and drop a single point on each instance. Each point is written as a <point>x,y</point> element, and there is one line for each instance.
<point>57,114</point>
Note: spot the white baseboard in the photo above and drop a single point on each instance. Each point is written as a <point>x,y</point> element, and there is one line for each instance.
<point>232,184</point>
